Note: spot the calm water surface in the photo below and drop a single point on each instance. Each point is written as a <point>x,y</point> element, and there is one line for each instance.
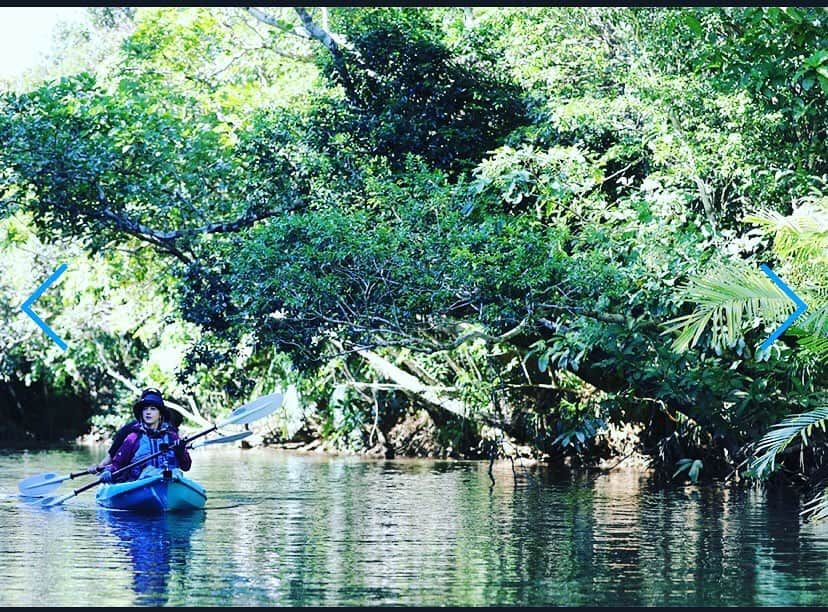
<point>287,529</point>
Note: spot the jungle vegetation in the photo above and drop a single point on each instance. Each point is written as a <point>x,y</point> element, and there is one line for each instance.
<point>474,232</point>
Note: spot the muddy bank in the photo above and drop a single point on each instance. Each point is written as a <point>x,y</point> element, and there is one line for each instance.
<point>418,436</point>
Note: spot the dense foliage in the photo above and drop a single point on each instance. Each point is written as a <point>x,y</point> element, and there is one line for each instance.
<point>455,230</point>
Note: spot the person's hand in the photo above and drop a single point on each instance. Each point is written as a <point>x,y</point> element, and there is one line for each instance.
<point>93,469</point>
<point>177,445</point>
<point>106,476</point>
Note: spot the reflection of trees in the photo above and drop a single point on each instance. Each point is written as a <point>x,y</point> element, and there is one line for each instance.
<point>791,565</point>
<point>339,531</point>
<point>547,531</point>
<point>155,544</point>
<point>344,539</point>
<point>304,530</point>
<point>613,540</point>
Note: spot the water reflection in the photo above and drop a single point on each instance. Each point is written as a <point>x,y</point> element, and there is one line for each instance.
<point>292,530</point>
<point>156,545</point>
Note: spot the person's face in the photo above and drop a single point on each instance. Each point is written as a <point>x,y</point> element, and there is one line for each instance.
<point>151,415</point>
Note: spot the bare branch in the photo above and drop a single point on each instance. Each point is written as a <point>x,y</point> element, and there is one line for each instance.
<point>330,40</point>
<point>267,44</point>
<point>166,240</point>
<point>133,386</point>
<point>334,43</point>
<point>275,23</point>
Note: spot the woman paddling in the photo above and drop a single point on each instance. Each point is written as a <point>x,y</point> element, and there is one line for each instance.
<point>134,425</point>
<point>153,435</point>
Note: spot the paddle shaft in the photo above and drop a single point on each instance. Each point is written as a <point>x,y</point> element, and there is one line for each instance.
<point>223,440</point>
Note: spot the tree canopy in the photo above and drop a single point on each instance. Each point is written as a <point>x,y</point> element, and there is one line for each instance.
<point>522,224</point>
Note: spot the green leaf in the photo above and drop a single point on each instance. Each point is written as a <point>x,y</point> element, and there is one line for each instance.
<point>816,59</point>
<point>543,361</point>
<point>693,23</point>
<point>823,82</point>
<point>793,14</point>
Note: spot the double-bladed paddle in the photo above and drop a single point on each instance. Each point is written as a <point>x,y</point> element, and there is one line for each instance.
<point>252,411</point>
<point>43,484</point>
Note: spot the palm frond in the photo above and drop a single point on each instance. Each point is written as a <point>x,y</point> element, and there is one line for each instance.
<point>801,236</point>
<point>728,300</point>
<point>815,320</point>
<point>782,434</point>
<point>816,509</point>
<point>814,346</point>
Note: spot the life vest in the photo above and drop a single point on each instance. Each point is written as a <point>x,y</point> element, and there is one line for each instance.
<point>149,443</point>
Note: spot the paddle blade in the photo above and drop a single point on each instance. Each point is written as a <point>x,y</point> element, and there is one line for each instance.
<point>40,484</point>
<point>55,500</point>
<point>253,411</point>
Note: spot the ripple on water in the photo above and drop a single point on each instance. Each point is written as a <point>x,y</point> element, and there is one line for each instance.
<point>283,529</point>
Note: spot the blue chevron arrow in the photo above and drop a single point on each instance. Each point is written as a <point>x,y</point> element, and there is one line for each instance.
<point>800,306</point>
<point>27,306</point>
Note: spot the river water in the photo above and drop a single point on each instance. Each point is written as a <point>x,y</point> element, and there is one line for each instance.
<point>284,529</point>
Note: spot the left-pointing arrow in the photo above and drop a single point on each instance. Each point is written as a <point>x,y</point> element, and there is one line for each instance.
<point>27,306</point>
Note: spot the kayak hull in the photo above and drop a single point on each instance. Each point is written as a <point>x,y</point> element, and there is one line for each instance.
<point>159,492</point>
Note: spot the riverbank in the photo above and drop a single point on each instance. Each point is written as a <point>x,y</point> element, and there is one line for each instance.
<point>615,447</point>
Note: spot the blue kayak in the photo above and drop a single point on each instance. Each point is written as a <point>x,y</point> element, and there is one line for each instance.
<point>155,491</point>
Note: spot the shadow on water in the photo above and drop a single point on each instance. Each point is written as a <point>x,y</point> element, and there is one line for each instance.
<point>154,544</point>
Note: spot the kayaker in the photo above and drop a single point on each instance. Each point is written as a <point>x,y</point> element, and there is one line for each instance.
<point>152,435</point>
<point>123,432</point>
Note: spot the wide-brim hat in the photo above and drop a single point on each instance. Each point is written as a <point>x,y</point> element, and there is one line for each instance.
<point>150,397</point>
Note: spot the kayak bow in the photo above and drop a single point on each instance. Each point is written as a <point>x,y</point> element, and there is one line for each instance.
<point>157,492</point>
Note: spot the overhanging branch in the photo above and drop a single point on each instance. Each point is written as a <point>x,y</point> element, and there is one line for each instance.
<point>166,240</point>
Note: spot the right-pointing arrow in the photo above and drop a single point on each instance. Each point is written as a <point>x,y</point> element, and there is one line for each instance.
<point>800,306</point>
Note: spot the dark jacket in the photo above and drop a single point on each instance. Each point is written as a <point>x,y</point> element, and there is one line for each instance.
<point>144,442</point>
<point>121,435</point>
